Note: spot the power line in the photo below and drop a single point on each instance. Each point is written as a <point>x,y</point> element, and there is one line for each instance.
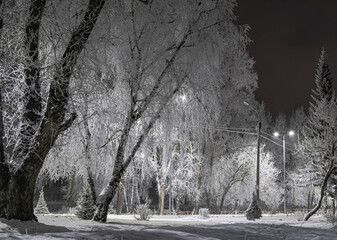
<point>234,131</point>
<point>254,133</point>
<point>270,140</point>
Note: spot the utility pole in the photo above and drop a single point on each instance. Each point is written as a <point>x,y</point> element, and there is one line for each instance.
<point>258,163</point>
<point>257,186</point>
<point>284,176</point>
<point>276,134</point>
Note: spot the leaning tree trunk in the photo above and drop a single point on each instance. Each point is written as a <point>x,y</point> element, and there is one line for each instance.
<point>323,187</point>
<point>107,194</point>
<point>224,194</point>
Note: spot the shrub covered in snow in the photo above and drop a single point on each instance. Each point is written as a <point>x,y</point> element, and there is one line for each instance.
<point>85,206</point>
<point>331,218</point>
<point>253,212</point>
<point>143,212</point>
<point>41,207</point>
<point>299,215</point>
<point>204,213</point>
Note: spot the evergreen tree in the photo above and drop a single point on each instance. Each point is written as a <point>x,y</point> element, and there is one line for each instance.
<point>85,206</point>
<point>253,212</point>
<point>319,137</point>
<point>323,82</point>
<point>322,96</point>
<point>41,207</point>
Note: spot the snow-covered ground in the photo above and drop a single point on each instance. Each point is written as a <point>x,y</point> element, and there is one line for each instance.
<point>125,227</point>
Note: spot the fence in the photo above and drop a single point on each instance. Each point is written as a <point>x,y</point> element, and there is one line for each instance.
<point>289,212</point>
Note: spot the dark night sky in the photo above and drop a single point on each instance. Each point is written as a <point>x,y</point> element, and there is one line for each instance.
<point>288,36</point>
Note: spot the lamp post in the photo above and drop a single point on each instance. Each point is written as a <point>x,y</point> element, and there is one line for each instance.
<point>276,134</point>
<point>257,186</point>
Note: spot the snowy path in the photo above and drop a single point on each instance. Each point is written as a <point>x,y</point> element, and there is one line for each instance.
<point>169,227</point>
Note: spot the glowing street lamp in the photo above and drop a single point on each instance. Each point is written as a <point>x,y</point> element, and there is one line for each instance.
<point>183,98</point>
<point>276,134</point>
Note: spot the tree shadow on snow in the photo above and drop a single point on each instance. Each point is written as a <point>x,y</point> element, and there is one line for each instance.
<point>30,227</point>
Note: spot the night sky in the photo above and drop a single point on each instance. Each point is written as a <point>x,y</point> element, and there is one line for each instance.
<point>288,36</point>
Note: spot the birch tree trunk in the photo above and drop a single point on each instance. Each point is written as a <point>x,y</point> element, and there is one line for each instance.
<point>107,194</point>
<point>87,147</point>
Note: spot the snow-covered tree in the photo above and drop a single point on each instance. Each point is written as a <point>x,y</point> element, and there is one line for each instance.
<point>230,170</point>
<point>41,206</point>
<point>254,211</point>
<point>166,47</point>
<point>44,111</point>
<point>319,143</point>
<point>85,206</point>
<point>184,175</point>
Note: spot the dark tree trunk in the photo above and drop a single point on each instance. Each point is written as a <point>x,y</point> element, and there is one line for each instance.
<point>106,196</point>
<point>71,201</point>
<point>333,207</point>
<point>223,198</point>
<point>208,200</point>
<point>21,196</point>
<point>162,197</point>
<point>4,170</point>
<point>18,186</point>
<point>236,177</point>
<point>323,188</point>
<point>87,145</point>
<point>312,198</point>
<point>91,185</point>
<point>4,182</point>
<point>120,198</point>
<point>177,200</point>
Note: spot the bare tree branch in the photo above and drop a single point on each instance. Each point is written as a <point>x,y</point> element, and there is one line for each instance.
<point>58,94</point>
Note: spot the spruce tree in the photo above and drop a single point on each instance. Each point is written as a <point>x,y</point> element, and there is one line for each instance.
<point>319,138</point>
<point>253,212</point>
<point>322,96</point>
<point>85,206</point>
<point>41,206</point>
<point>323,82</point>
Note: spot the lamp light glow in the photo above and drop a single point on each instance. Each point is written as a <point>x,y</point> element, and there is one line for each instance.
<point>276,134</point>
